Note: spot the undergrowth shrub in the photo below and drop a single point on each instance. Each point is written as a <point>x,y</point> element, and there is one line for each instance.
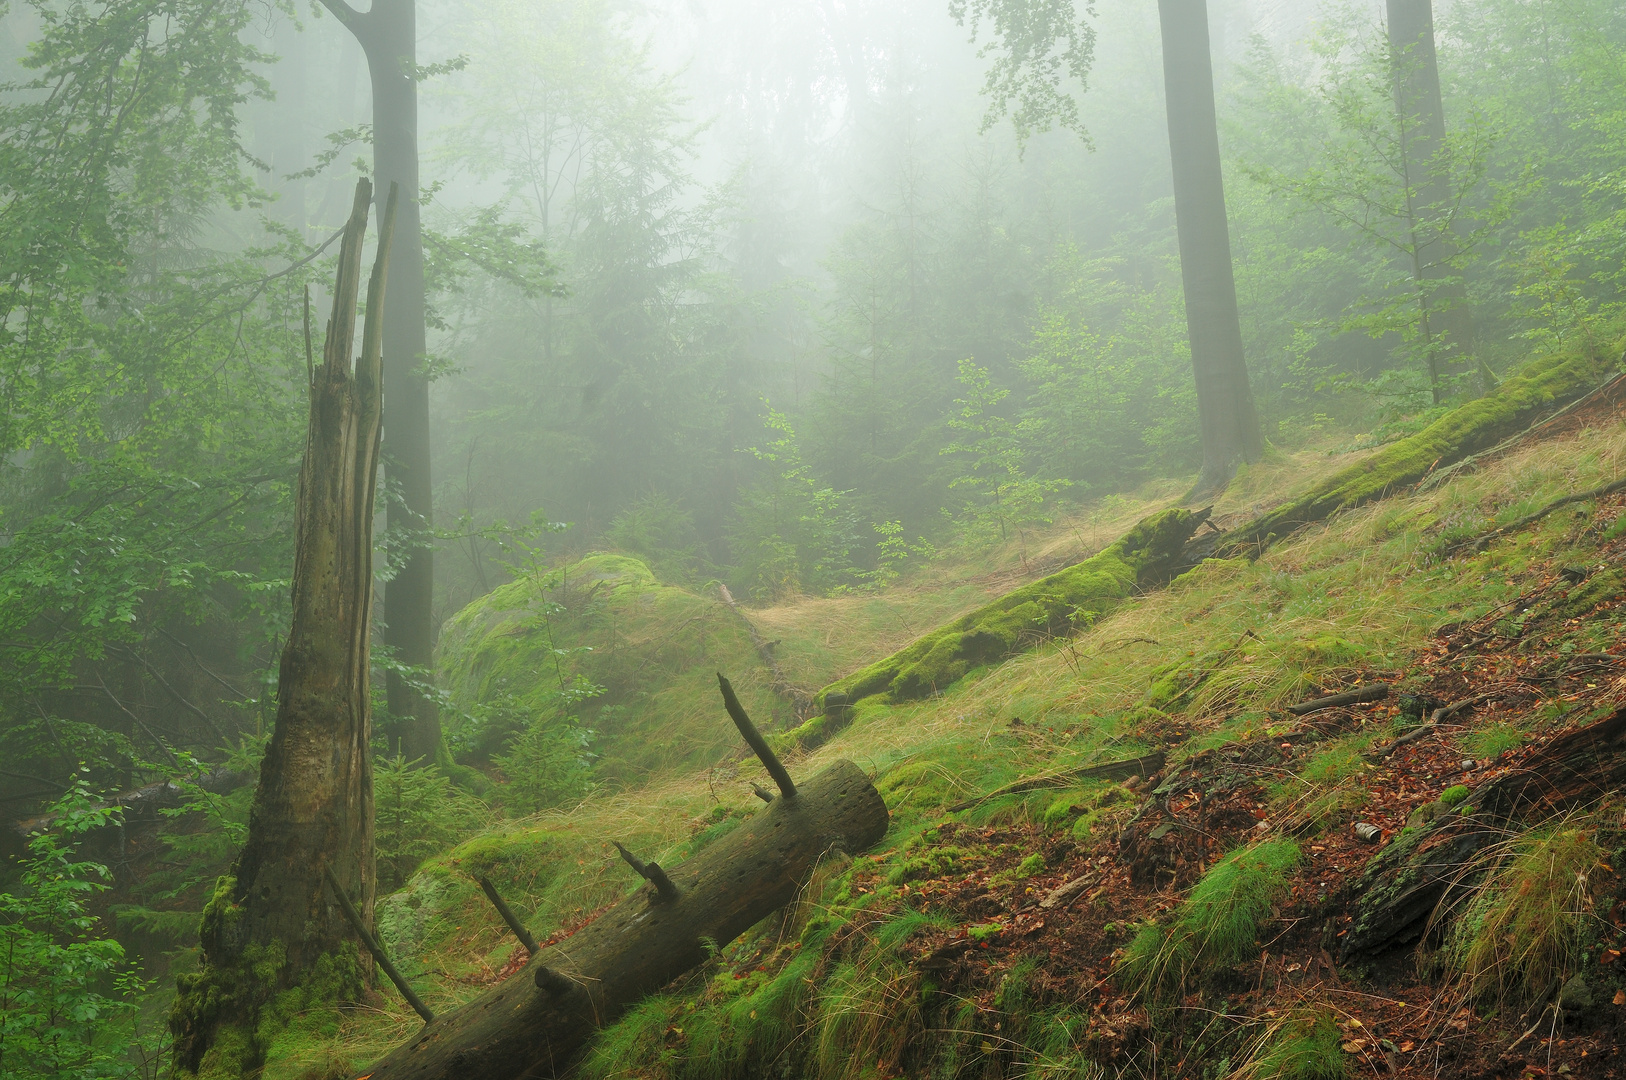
<point>1527,927</point>
<point>69,997</point>
<point>1218,923</point>
<point>418,813</point>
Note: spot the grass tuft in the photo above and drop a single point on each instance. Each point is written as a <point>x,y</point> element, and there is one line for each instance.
<point>1298,1048</point>
<point>1218,923</point>
<point>1527,927</point>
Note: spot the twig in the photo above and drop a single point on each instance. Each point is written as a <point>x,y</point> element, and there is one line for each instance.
<point>1373,692</point>
<point>354,918</point>
<point>1478,543</point>
<point>1109,770</point>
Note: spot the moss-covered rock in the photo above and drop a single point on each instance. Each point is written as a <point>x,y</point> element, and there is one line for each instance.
<point>654,648</point>
<point>1518,400</point>
<point>1059,604</point>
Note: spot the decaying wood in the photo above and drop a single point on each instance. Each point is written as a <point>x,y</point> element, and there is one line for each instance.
<point>1611,391</point>
<point>508,917</point>
<point>534,1022</point>
<point>1410,879</point>
<point>1145,765</point>
<point>1482,541</point>
<point>1373,692</point>
<point>312,815</point>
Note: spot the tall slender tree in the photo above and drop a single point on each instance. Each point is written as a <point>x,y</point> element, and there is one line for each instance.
<point>1039,45</point>
<point>388,35</point>
<point>1225,409</point>
<point>1448,327</point>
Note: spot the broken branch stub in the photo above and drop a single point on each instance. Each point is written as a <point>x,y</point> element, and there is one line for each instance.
<point>534,1022</point>
<point>754,739</point>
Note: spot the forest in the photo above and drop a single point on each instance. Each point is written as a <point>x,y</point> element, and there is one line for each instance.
<point>829,539</point>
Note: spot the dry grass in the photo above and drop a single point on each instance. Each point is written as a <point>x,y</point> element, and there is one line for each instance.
<point>1343,597</point>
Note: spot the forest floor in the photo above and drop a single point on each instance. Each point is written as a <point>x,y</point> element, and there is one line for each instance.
<point>1010,937</point>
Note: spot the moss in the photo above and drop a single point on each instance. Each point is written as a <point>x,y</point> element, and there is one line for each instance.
<point>250,1012</point>
<point>1453,795</point>
<point>1059,604</point>
<point>1469,428</point>
<point>1528,927</point>
<point>653,647</point>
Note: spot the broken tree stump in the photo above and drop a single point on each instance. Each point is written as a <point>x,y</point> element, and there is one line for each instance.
<point>533,1023</point>
<point>1431,866</point>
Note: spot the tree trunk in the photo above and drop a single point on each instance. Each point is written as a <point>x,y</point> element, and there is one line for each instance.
<point>1410,880</point>
<point>1421,114</point>
<point>531,1024</point>
<point>1225,410</point>
<point>273,923</point>
<point>388,34</point>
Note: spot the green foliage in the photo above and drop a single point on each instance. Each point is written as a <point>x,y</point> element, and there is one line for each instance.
<point>417,814</point>
<point>69,999</point>
<point>997,474</point>
<point>1034,75</point>
<point>791,532</point>
<point>1528,925</point>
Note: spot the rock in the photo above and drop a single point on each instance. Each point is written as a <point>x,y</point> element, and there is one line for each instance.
<point>1365,830</point>
<point>1576,995</point>
<point>1263,826</point>
<point>1469,764</point>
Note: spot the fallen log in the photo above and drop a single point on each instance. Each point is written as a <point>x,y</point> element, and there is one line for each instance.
<point>1055,606</point>
<point>1145,765</point>
<point>1536,390</point>
<point>533,1023</point>
<point>1373,692</point>
<point>1429,867</point>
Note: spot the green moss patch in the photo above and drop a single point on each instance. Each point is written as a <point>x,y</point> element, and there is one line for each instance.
<point>653,648</point>
<point>1056,605</point>
<point>1477,425</point>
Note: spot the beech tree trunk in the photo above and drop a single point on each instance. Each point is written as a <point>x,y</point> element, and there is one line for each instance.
<point>1225,409</point>
<point>1410,880</point>
<point>1421,113</point>
<point>531,1024</point>
<point>388,35</point>
<point>313,810</point>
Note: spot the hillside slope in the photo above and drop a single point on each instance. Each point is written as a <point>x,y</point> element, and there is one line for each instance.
<point>1192,918</point>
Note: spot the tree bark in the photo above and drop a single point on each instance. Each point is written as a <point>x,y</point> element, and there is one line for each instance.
<point>388,35</point>
<point>1421,114</point>
<point>531,1024</point>
<point>1412,878</point>
<point>1225,408</point>
<point>313,809</point>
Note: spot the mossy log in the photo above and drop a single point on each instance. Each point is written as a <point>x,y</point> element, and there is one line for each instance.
<point>1542,385</point>
<point>531,1024</point>
<point>1430,865</point>
<point>1060,604</point>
